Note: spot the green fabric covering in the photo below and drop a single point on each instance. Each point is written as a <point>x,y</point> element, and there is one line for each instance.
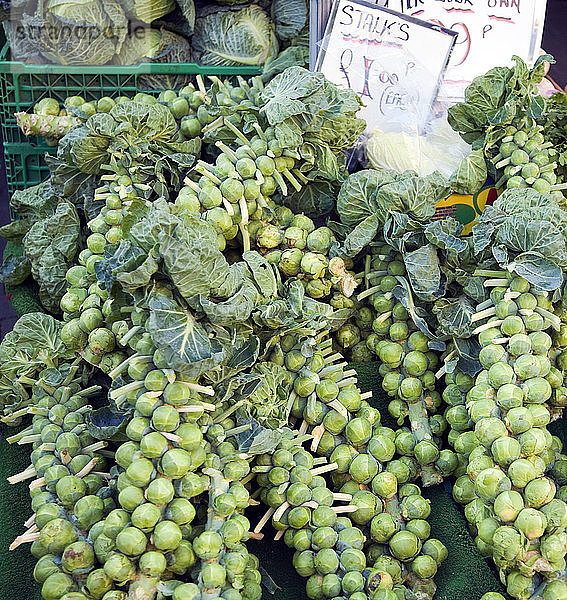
<point>465,574</point>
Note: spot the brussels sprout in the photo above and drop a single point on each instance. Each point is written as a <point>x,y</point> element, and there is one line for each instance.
<point>420,527</point>
<point>426,452</point>
<point>146,516</point>
<point>506,450</point>
<point>363,468</point>
<point>507,543</point>
<point>320,240</point>
<point>167,535</point>
<point>555,512</point>
<point>56,586</point>
<point>518,420</point>
<point>98,584</point>
<point>290,262</point>
<point>489,429</point>
<point>381,448</point>
<point>326,561</point>
<point>367,507</point>
<point>78,558</point>
<point>436,549</point>
<point>385,485</point>
<point>555,590</point>
<point>464,490</point>
<point>56,535</point>
<point>539,492</point>
<point>295,238</point>
<point>208,545</point>
<point>119,567</point>
<point>358,431</point>
<point>404,545</point>
<point>508,505</point>
<point>304,563</point>
<point>518,585</point>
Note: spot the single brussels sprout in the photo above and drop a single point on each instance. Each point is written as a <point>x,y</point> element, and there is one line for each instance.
<point>489,429</point>
<point>320,240</point>
<point>385,485</point>
<point>56,586</point>
<point>436,549</point>
<point>555,590</point>
<point>518,585</point>
<point>507,505</point>
<point>539,492</point>
<point>556,513</point>
<point>290,262</point>
<point>507,543</point>
<point>364,468</point>
<point>295,237</point>
<point>464,490</point>
<point>404,545</point>
<point>506,450</point>
<point>56,535</point>
<point>119,567</point>
<point>553,547</point>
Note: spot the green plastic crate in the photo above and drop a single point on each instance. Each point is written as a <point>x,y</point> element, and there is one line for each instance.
<point>22,86</point>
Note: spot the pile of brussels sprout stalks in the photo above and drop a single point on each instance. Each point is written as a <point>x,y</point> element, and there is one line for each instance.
<point>169,521</point>
<point>383,329</point>
<point>498,426</point>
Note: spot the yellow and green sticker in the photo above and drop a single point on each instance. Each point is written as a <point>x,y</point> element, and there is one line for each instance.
<point>466,208</point>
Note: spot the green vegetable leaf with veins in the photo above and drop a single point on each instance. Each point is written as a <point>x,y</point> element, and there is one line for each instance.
<point>454,316</point>
<point>50,245</point>
<point>471,174</point>
<point>184,342</point>
<point>424,272</point>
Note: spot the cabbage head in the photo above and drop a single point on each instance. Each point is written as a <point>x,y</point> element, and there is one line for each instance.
<point>148,11</point>
<point>290,17</point>
<point>150,45</point>
<point>243,37</point>
<point>78,32</point>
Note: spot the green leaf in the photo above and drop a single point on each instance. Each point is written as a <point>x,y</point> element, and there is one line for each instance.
<point>361,236</point>
<point>468,351</point>
<point>358,197</point>
<point>185,344</point>
<point>35,202</point>
<point>236,309</point>
<point>538,270</point>
<point>471,174</point>
<point>417,196</point>
<point>107,424</point>
<point>524,234</point>
<point>267,404</point>
<point>262,273</point>
<point>446,234</point>
<point>50,245</point>
<point>258,439</point>
<point>315,199</point>
<point>424,273</point>
<point>15,270</point>
<point>403,293</point>
<point>292,56</point>
<point>454,316</point>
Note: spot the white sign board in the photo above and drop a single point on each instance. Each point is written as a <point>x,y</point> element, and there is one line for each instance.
<point>490,33</point>
<point>394,62</point>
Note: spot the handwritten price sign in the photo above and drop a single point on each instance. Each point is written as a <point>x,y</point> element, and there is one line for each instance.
<point>394,62</point>
<point>489,32</point>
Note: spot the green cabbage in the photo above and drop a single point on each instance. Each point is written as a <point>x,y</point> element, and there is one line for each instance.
<point>78,32</point>
<point>244,37</point>
<point>290,17</point>
<point>156,46</point>
<point>148,11</point>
